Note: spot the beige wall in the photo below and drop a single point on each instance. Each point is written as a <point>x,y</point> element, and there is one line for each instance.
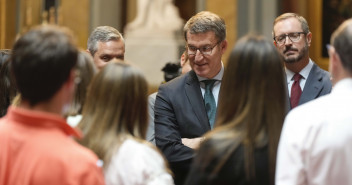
<point>227,9</point>
<point>7,23</point>
<point>106,12</point>
<point>315,25</point>
<point>132,8</point>
<point>77,19</point>
<point>29,15</point>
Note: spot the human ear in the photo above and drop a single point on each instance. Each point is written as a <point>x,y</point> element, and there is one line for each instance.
<point>223,45</point>
<point>309,38</point>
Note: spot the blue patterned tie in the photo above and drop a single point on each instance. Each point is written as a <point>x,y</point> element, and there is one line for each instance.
<point>209,101</point>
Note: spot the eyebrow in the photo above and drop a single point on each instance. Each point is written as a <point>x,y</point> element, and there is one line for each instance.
<point>190,45</point>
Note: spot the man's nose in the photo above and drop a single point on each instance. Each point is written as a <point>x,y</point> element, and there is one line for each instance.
<point>288,40</point>
<point>198,56</point>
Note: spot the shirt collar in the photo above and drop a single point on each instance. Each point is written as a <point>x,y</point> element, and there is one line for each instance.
<point>217,77</point>
<point>304,72</point>
<point>342,86</point>
<point>41,119</point>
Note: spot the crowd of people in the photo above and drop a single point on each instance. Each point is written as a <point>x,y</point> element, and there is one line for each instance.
<point>269,115</point>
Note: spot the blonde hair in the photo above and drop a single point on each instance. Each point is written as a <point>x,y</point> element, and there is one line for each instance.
<point>116,109</point>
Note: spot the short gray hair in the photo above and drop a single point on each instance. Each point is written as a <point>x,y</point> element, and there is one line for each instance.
<point>206,21</point>
<point>102,34</point>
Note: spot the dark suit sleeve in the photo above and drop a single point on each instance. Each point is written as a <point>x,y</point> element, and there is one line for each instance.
<point>327,87</point>
<point>179,113</point>
<point>167,129</point>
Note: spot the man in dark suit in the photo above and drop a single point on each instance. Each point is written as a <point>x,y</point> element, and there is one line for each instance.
<point>292,38</point>
<point>182,109</point>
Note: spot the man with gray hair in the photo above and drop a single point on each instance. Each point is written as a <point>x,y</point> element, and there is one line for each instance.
<point>104,44</point>
<point>315,144</point>
<point>185,107</point>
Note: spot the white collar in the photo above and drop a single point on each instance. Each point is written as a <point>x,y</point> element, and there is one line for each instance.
<point>304,72</point>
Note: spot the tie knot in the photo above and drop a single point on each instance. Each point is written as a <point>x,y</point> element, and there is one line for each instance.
<point>209,83</point>
<point>297,77</point>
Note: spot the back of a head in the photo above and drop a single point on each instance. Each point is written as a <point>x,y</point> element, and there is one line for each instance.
<point>204,22</point>
<point>248,80</point>
<point>42,60</point>
<point>252,96</point>
<point>171,71</point>
<point>116,107</point>
<point>341,39</point>
<point>102,34</point>
<point>86,71</point>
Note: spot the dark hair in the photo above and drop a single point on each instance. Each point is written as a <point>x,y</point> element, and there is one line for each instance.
<point>341,39</point>
<point>171,71</point>
<point>251,107</point>
<point>7,84</point>
<point>4,55</point>
<point>42,61</point>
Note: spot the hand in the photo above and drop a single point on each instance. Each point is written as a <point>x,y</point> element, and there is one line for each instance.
<point>192,143</point>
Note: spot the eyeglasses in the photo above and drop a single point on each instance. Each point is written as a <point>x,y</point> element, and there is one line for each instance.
<point>294,37</point>
<point>206,50</point>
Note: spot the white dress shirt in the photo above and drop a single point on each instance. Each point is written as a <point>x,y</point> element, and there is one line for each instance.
<point>316,141</point>
<point>217,84</point>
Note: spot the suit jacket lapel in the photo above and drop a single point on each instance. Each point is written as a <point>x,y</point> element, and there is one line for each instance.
<point>194,96</point>
<point>313,85</point>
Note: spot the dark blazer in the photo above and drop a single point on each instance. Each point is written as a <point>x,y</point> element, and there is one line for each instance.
<point>318,84</point>
<point>179,113</point>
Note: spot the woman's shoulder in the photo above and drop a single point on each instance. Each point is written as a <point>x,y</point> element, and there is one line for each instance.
<point>136,158</point>
<point>138,148</point>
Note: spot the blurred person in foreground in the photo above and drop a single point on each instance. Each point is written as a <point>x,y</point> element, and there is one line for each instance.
<point>36,142</point>
<point>315,144</point>
<point>114,121</point>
